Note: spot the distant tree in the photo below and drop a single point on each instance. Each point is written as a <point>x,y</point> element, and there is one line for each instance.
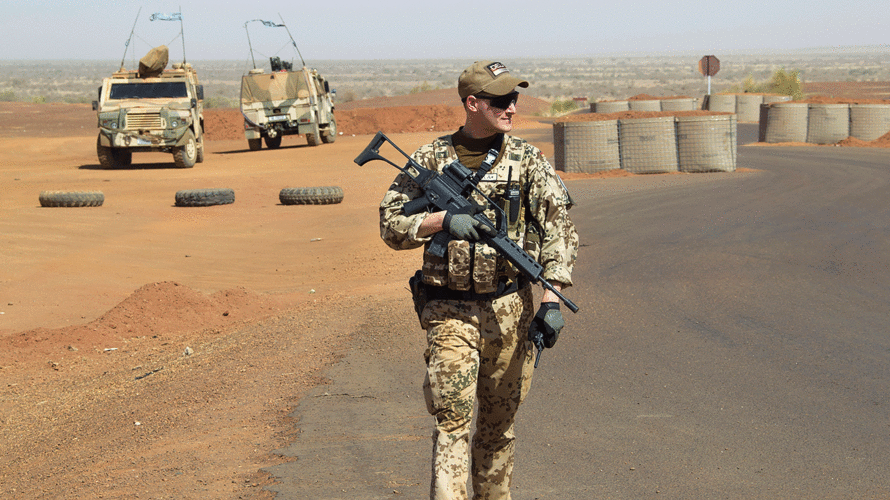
<point>7,96</point>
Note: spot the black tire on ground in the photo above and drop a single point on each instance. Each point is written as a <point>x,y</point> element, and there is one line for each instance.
<point>200,157</point>
<point>312,139</point>
<point>186,155</point>
<point>111,158</point>
<point>255,144</point>
<point>204,197</point>
<point>329,135</point>
<point>325,195</point>
<point>71,198</point>
<point>273,142</point>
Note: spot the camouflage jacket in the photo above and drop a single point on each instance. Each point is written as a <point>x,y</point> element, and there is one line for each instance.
<point>541,225</point>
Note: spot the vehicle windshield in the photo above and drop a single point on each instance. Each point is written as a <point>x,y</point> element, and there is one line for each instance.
<point>157,90</point>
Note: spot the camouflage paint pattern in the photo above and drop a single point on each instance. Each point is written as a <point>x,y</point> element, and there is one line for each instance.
<point>459,262</point>
<point>293,102</point>
<point>477,352</point>
<point>150,124</point>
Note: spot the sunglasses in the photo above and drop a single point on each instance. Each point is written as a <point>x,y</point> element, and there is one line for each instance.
<point>504,101</point>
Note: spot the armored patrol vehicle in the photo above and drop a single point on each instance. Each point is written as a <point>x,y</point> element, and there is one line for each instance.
<point>285,101</point>
<point>151,109</point>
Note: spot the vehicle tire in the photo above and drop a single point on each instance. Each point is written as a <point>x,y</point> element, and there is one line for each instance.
<point>124,157</point>
<point>204,197</point>
<point>273,142</point>
<point>330,134</point>
<point>255,144</point>
<point>325,195</point>
<point>312,138</point>
<point>71,198</point>
<point>186,155</point>
<point>111,158</point>
<point>200,157</point>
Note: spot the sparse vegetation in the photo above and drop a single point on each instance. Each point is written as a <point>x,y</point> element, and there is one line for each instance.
<point>220,102</point>
<point>552,79</point>
<point>561,107</point>
<point>782,82</point>
<point>424,87</point>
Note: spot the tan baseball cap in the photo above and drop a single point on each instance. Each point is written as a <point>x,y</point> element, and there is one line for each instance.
<point>487,78</point>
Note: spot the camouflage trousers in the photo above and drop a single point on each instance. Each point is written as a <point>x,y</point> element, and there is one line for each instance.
<point>478,352</point>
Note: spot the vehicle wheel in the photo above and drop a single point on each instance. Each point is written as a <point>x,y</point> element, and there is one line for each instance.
<point>312,138</point>
<point>186,155</point>
<point>200,157</point>
<point>204,197</point>
<point>326,195</point>
<point>273,142</point>
<point>124,157</point>
<point>71,198</point>
<point>330,135</point>
<point>110,158</point>
<point>255,144</point>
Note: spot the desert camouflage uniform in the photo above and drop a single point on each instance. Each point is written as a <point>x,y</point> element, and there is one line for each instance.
<point>478,350</point>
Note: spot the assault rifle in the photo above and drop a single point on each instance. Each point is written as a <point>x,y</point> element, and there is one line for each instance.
<point>450,191</point>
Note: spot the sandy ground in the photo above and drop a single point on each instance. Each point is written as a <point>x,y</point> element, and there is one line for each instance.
<point>155,351</point>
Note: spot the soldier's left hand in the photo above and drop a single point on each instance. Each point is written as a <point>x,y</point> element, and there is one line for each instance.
<point>548,320</point>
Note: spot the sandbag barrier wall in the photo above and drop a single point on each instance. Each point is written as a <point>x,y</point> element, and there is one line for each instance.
<point>647,145</point>
<point>746,106</point>
<point>822,123</point>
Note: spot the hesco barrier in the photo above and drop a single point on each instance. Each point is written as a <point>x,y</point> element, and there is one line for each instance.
<point>647,145</point>
<point>747,106</point>
<point>586,147</point>
<point>771,98</point>
<point>609,107</point>
<point>869,121</point>
<point>684,104</point>
<point>819,123</point>
<point>722,102</point>
<point>675,104</point>
<point>785,122</point>
<point>828,123</point>
<point>707,143</point>
<point>647,105</point>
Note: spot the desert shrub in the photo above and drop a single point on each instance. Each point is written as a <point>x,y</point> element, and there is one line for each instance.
<point>7,96</point>
<point>559,107</point>
<point>423,87</point>
<point>219,102</point>
<point>39,99</point>
<point>782,82</point>
<point>786,83</point>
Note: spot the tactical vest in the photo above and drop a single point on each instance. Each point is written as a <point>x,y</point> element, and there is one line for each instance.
<point>474,265</point>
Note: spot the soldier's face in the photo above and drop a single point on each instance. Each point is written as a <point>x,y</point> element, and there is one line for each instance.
<point>498,120</point>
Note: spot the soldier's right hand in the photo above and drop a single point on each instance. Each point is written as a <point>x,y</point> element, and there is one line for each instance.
<point>465,227</point>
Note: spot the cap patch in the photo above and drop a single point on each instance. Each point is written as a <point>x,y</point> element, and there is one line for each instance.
<point>497,69</point>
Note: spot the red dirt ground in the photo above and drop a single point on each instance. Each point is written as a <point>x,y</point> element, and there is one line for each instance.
<point>161,348</point>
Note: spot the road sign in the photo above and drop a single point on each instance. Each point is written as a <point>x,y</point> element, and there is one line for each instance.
<point>709,65</point>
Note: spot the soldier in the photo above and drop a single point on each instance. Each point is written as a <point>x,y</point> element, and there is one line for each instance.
<point>477,309</point>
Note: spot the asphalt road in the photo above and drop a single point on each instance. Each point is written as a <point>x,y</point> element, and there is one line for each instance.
<point>732,343</point>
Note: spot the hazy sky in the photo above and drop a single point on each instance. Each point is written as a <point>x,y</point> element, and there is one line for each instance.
<point>410,29</point>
